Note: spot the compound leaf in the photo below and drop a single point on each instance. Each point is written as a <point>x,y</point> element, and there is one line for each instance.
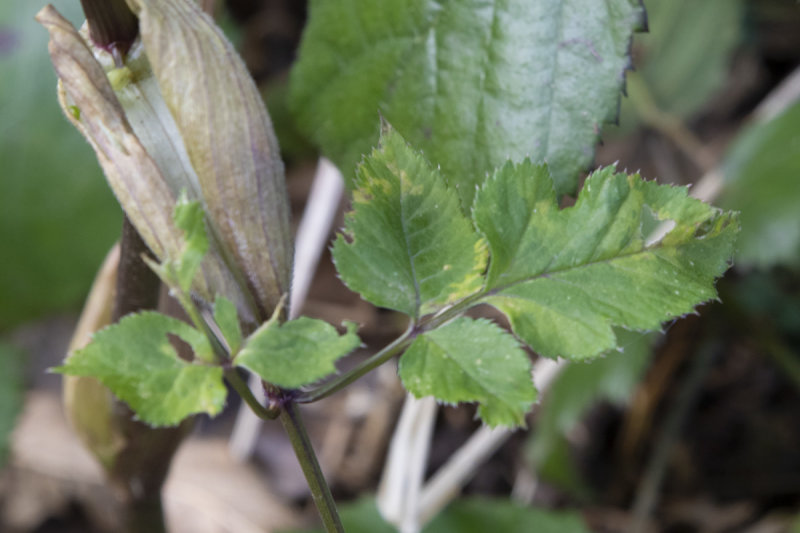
<point>472,361</point>
<point>297,352</point>
<point>136,360</point>
<point>407,246</point>
<point>472,83</point>
<point>565,276</point>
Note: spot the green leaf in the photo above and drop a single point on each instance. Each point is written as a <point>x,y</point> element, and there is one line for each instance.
<point>479,515</point>
<point>670,74</point>
<point>360,516</point>
<point>761,171</point>
<point>472,83</point>
<point>297,352</point>
<point>468,515</point>
<point>576,388</point>
<point>472,361</point>
<point>228,323</point>
<point>565,276</point>
<point>407,246</point>
<point>503,211</point>
<point>58,217</point>
<point>12,366</point>
<point>135,359</point>
<point>190,217</point>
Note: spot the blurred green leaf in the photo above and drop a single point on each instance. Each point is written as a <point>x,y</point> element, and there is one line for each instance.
<point>477,515</point>
<point>12,366</point>
<point>762,180</point>
<point>57,215</point>
<point>297,352</point>
<point>468,515</point>
<point>579,386</point>
<point>471,83</point>
<point>672,74</point>
<point>294,145</point>
<point>407,246</point>
<point>136,360</point>
<point>470,360</point>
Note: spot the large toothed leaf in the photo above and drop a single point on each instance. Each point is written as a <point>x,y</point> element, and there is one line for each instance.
<point>407,246</point>
<point>472,83</point>
<point>472,361</point>
<point>297,352</point>
<point>136,360</point>
<point>564,277</point>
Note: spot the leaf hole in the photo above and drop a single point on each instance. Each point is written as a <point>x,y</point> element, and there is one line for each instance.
<point>182,348</point>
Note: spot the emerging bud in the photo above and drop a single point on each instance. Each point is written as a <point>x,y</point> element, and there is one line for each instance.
<point>112,25</point>
<point>184,114</point>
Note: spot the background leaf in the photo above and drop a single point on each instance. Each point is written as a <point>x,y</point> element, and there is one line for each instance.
<point>478,515</point>
<point>670,74</point>
<point>468,515</point>
<point>762,180</point>
<point>12,366</point>
<point>580,385</point>
<point>407,246</point>
<point>58,217</point>
<point>297,352</point>
<point>586,268</point>
<point>471,83</point>
<point>135,359</point>
<point>472,361</point>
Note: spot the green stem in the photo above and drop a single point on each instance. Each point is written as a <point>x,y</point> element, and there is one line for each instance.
<point>396,347</point>
<point>293,424</point>
<point>238,384</point>
<point>219,351</point>
<point>343,380</point>
<point>455,310</point>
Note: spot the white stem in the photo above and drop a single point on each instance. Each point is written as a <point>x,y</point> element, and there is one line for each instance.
<point>312,236</point>
<point>398,496</point>
<point>314,230</point>
<point>780,98</point>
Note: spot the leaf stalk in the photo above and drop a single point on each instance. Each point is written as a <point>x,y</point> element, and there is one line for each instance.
<point>295,429</point>
<point>266,413</point>
<point>376,360</point>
